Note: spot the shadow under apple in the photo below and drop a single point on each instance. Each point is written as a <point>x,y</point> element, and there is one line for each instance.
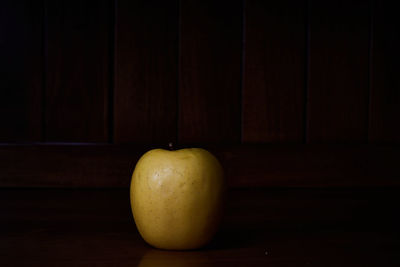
<point>157,257</point>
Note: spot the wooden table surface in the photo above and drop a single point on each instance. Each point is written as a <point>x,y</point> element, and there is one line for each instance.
<point>262,227</point>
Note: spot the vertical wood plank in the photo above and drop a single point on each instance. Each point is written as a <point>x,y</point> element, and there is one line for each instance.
<point>210,71</point>
<point>338,78</point>
<point>274,71</point>
<point>385,83</point>
<point>145,100</point>
<point>77,70</point>
<point>21,70</point>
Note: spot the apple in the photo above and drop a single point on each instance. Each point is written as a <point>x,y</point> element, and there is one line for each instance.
<point>177,197</point>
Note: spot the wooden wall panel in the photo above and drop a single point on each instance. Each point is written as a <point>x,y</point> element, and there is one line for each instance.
<point>21,70</point>
<point>67,165</point>
<point>274,71</point>
<point>77,70</point>
<point>338,77</point>
<point>245,165</point>
<point>210,71</point>
<point>385,83</point>
<point>146,70</point>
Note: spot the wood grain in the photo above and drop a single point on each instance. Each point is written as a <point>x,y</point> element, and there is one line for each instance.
<point>273,227</point>
<point>311,165</point>
<point>67,165</point>
<point>77,70</point>
<point>210,71</point>
<point>245,166</point>
<point>146,71</point>
<point>21,71</point>
<point>385,84</point>
<point>274,71</point>
<point>339,72</point>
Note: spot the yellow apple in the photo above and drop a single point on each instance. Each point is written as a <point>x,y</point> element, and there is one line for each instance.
<point>177,197</point>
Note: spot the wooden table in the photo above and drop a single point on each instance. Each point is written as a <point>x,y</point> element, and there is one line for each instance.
<point>262,227</point>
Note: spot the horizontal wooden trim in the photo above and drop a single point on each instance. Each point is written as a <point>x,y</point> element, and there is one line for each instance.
<point>86,165</point>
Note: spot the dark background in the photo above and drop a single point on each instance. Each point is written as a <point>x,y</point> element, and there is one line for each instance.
<point>300,101</point>
<point>286,93</point>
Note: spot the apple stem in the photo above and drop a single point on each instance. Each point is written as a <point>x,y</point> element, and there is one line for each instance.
<point>170,146</point>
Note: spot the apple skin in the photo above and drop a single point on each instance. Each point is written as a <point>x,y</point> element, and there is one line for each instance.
<point>177,197</point>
